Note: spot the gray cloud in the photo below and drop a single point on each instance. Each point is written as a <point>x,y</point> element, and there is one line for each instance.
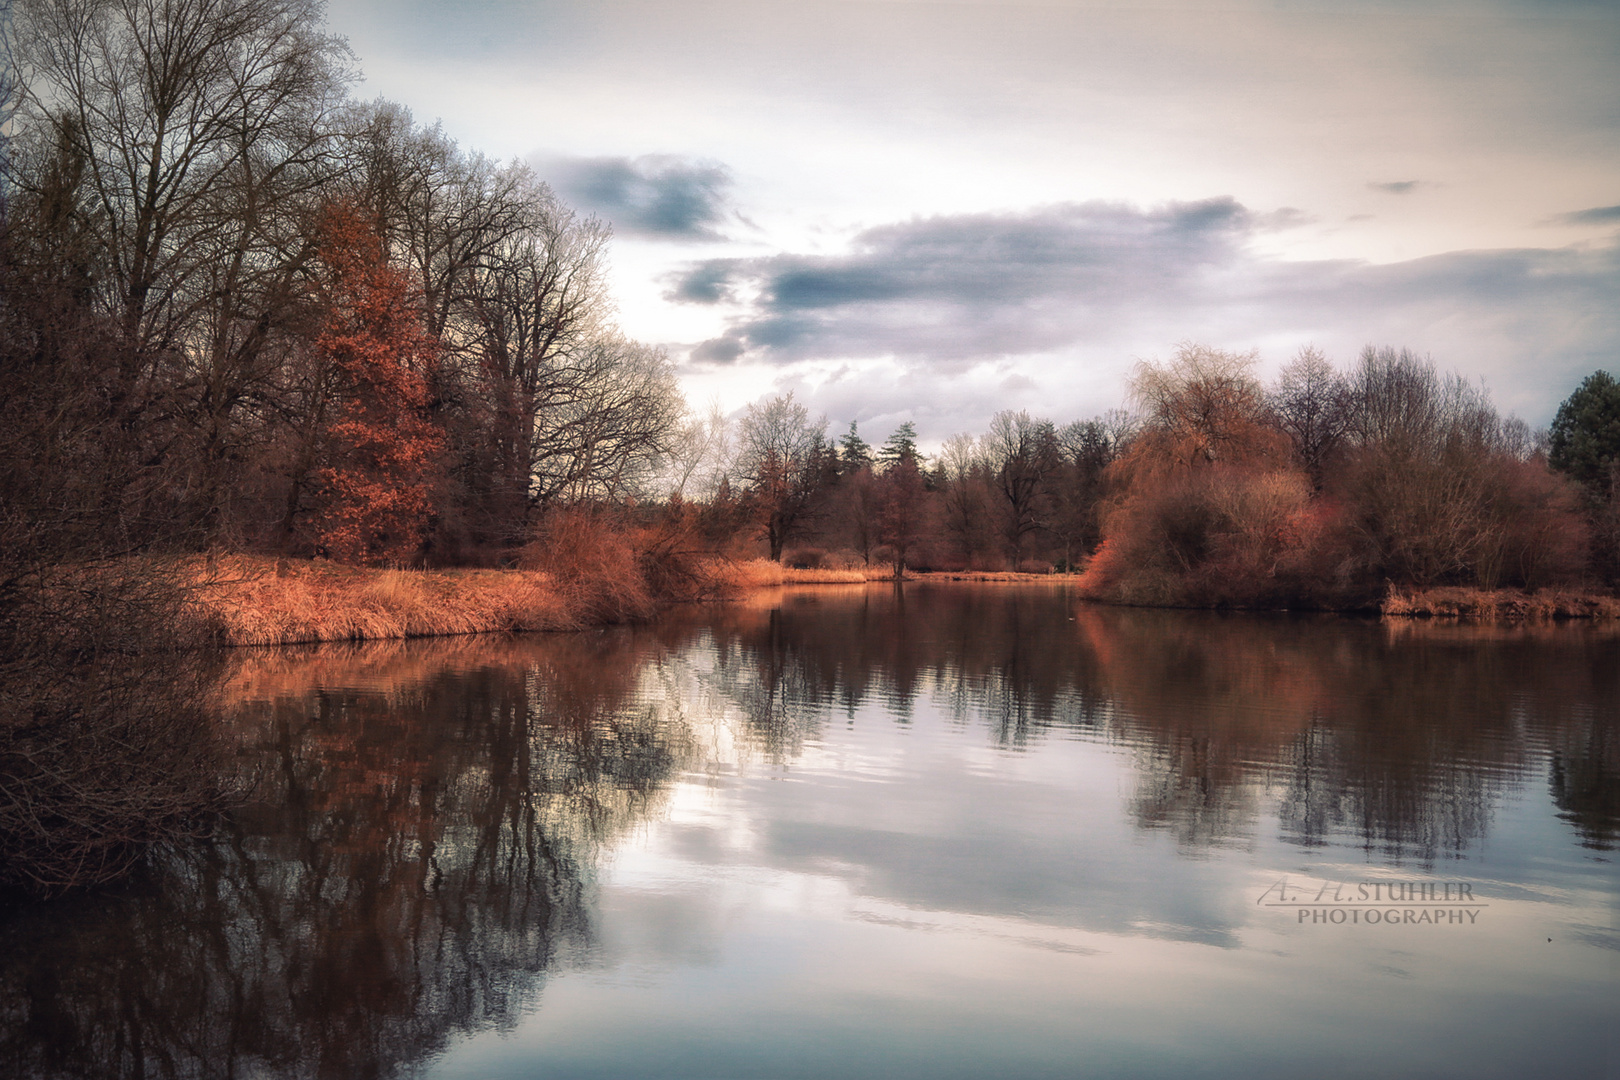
<point>717,351</point>
<point>709,282</point>
<point>657,195</point>
<point>975,285</point>
<point>1101,282</point>
<point>1397,187</point>
<point>1597,215</point>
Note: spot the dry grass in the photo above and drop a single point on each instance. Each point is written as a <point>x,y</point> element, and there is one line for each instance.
<point>1005,576</point>
<point>728,577</point>
<point>830,576</point>
<point>734,575</point>
<point>261,602</point>
<point>760,574</point>
<point>1492,605</point>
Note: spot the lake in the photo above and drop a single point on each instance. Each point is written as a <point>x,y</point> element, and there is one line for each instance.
<point>944,831</point>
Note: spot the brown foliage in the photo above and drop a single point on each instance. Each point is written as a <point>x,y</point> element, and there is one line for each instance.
<point>383,449</point>
<point>594,563</point>
<point>1221,535</point>
<point>1202,407</point>
<point>1439,490</point>
<point>1433,488</point>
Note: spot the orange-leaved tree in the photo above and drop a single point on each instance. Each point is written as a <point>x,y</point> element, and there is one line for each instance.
<point>383,450</point>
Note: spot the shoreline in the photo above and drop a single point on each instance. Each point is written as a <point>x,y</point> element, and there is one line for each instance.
<point>259,600</point>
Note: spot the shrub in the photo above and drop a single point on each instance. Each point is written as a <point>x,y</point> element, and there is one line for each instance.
<point>1221,535</point>
<point>804,558</point>
<point>1461,516</point>
<point>594,563</point>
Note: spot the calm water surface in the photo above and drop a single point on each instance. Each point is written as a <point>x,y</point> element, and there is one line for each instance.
<point>950,832</point>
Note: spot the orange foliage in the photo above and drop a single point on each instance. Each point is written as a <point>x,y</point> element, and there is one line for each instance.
<point>1218,535</point>
<point>383,448</point>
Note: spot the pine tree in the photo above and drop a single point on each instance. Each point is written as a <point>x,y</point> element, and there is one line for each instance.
<point>855,453</point>
<point>901,446</point>
<point>1585,435</point>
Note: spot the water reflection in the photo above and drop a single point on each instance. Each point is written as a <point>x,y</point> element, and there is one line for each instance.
<point>415,859</point>
<point>1397,736</point>
<point>431,821</point>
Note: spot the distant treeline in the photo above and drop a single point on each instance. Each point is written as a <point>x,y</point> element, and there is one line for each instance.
<point>1325,488</point>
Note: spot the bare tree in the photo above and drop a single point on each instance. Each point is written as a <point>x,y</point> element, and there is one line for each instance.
<point>1203,406</point>
<point>965,493</point>
<point>1441,488</point>
<point>607,423</point>
<point>1087,448</point>
<point>196,135</point>
<point>1311,404</point>
<point>1020,453</point>
<point>532,352</point>
<point>779,451</point>
<point>700,455</point>
<point>449,216</point>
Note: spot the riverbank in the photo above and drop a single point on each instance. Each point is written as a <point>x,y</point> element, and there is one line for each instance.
<point>263,601</point>
<point>1498,605</point>
<point>256,600</point>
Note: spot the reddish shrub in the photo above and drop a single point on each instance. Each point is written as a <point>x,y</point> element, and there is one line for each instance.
<point>1222,535</point>
<point>593,559</point>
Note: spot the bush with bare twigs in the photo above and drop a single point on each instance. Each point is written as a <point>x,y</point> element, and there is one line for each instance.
<point>1222,535</point>
<point>593,564</point>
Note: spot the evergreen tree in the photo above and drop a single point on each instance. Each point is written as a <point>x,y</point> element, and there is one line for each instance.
<point>1585,443</point>
<point>901,446</point>
<point>855,453</point>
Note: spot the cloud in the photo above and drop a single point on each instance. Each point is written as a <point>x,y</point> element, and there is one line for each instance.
<point>717,351</point>
<point>975,285</point>
<point>1055,293</point>
<point>1597,215</point>
<point>709,282</point>
<point>659,196</point>
<point>1397,187</point>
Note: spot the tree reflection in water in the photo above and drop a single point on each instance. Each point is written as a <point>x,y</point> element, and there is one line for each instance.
<point>417,856</point>
<point>1397,737</point>
<point>428,818</point>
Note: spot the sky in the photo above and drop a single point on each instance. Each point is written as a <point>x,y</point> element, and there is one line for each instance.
<point>932,211</point>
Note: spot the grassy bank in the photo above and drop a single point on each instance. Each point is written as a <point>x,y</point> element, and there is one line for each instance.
<point>260,601</point>
<point>1499,605</point>
<point>264,601</point>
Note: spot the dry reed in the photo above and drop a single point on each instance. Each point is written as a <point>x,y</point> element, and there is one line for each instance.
<point>730,576</point>
<point>992,576</point>
<point>259,602</point>
<point>830,576</point>
<point>1491,605</point>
